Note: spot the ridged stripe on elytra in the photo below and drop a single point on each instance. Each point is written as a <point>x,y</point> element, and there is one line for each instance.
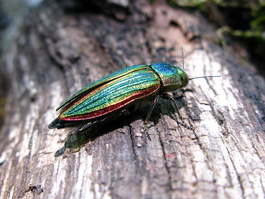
<point>114,95</point>
<point>102,81</point>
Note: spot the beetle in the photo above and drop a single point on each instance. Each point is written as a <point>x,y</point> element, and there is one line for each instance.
<point>121,92</point>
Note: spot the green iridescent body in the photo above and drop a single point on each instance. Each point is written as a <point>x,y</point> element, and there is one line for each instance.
<point>123,90</point>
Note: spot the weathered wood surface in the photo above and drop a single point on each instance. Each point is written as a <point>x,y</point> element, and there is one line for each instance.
<point>58,52</point>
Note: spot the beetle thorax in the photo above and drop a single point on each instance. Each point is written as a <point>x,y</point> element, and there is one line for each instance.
<point>172,77</point>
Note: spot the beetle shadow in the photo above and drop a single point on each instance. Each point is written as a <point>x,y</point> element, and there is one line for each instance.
<point>77,138</point>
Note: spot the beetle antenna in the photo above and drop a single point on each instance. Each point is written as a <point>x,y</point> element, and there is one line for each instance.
<point>204,77</point>
<point>182,53</point>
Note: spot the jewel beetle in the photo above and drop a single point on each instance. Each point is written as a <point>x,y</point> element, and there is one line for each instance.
<point>120,92</point>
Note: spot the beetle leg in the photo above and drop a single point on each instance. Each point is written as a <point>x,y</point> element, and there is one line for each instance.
<point>144,129</point>
<point>169,97</point>
<point>150,110</point>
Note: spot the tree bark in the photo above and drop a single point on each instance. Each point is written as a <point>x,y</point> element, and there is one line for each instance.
<point>60,50</point>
